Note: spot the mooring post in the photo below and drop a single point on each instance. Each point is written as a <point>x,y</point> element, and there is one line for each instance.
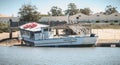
<point>10,29</point>
<point>10,33</point>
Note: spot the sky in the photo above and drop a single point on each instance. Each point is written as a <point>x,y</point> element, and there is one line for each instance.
<point>11,7</point>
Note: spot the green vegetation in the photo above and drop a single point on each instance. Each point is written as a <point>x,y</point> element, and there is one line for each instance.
<point>106,21</point>
<point>55,11</point>
<point>97,21</point>
<point>72,9</point>
<point>110,9</point>
<point>116,21</point>
<point>29,13</point>
<point>85,11</point>
<point>111,23</point>
<point>4,27</point>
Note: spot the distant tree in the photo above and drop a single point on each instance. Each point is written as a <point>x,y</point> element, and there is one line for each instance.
<point>110,9</point>
<point>86,11</point>
<point>29,13</point>
<point>55,11</point>
<point>72,9</point>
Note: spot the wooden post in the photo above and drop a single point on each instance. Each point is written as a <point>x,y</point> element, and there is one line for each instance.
<point>10,29</point>
<point>10,33</point>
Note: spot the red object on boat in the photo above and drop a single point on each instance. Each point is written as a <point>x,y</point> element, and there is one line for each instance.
<point>31,25</point>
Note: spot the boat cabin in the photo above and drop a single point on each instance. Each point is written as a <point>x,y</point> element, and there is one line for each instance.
<point>34,31</point>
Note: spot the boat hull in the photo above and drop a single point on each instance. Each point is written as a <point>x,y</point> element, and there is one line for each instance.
<point>67,41</point>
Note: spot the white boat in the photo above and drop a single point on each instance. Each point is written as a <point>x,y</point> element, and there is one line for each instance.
<point>35,34</point>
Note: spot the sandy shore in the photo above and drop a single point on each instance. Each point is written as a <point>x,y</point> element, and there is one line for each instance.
<point>6,35</point>
<point>9,42</point>
<point>109,35</point>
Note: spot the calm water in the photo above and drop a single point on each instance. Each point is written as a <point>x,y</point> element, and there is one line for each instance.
<point>59,56</point>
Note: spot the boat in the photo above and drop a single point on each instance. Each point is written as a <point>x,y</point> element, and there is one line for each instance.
<point>35,34</point>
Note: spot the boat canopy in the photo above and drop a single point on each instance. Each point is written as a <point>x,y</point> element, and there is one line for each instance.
<point>33,26</point>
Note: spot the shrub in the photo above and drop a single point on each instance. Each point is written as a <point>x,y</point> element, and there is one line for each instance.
<point>116,21</point>
<point>111,23</point>
<point>5,30</point>
<point>97,21</point>
<point>106,21</point>
<point>4,27</point>
<point>14,30</point>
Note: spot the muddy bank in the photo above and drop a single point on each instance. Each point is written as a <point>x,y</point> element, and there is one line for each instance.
<point>10,42</point>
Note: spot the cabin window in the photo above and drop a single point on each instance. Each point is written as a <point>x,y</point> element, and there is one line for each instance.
<point>23,32</point>
<point>46,29</point>
<point>26,33</point>
<point>32,36</point>
<point>37,36</point>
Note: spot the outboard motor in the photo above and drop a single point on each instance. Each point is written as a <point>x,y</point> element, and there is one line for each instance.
<point>92,35</point>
